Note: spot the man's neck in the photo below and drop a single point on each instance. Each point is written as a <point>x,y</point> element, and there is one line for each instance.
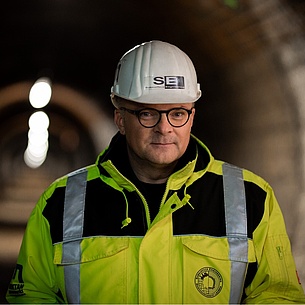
<point>154,177</point>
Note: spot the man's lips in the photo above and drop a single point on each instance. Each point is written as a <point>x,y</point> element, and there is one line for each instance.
<point>162,143</point>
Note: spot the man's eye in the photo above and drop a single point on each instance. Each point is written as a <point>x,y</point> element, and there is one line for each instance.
<point>178,114</point>
<point>146,114</point>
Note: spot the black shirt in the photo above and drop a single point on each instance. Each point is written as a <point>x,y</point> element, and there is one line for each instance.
<point>153,194</point>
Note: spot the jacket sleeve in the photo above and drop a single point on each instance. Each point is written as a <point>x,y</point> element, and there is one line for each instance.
<point>276,280</point>
<point>33,280</point>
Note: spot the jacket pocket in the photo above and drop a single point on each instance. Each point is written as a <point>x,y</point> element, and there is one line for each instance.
<point>207,268</point>
<point>102,264</point>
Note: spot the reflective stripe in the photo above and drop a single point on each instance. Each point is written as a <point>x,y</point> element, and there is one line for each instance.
<point>73,221</point>
<point>236,227</point>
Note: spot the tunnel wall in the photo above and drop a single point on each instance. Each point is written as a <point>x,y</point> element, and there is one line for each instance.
<point>252,116</point>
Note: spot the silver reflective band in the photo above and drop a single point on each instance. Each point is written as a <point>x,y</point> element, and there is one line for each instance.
<point>73,221</point>
<point>236,227</point>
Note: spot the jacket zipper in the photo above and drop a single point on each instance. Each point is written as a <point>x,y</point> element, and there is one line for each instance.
<point>147,212</point>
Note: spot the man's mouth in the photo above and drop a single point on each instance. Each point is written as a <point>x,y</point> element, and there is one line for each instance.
<point>162,143</point>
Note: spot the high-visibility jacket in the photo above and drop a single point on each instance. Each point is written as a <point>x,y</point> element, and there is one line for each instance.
<point>219,237</point>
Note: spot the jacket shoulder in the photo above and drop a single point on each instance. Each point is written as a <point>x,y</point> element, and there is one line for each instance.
<point>216,167</point>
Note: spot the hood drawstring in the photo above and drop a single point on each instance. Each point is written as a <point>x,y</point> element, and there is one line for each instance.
<point>127,220</point>
<point>186,199</point>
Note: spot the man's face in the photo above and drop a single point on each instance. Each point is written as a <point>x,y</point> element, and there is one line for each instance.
<point>160,145</point>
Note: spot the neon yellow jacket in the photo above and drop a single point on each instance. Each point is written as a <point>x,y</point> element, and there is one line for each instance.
<point>219,237</point>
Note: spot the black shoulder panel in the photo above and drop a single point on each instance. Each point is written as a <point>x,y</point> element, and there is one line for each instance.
<point>106,209</point>
<point>208,216</point>
<point>255,197</point>
<point>104,212</point>
<point>54,211</point>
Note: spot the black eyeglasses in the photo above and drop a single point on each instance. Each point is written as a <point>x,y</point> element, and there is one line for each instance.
<point>149,117</point>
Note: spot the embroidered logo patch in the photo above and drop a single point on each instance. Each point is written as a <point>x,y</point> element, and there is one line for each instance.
<point>208,282</point>
<point>16,289</point>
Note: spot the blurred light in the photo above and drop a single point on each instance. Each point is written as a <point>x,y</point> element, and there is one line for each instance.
<point>40,93</point>
<point>33,161</point>
<point>38,150</point>
<point>38,138</point>
<point>39,120</point>
<point>38,135</point>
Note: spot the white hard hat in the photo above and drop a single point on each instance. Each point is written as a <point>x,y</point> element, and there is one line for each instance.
<point>156,72</point>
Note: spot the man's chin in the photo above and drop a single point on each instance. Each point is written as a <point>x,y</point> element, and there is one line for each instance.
<point>163,161</point>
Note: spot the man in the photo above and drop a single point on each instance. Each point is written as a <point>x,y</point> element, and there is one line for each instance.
<point>157,219</point>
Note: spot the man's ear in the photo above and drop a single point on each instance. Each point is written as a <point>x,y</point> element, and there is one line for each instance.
<point>193,116</point>
<point>119,121</point>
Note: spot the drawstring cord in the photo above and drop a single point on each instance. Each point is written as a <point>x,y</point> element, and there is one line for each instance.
<point>127,220</point>
<point>186,199</point>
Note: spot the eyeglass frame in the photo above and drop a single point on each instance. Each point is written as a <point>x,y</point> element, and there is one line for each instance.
<point>137,112</point>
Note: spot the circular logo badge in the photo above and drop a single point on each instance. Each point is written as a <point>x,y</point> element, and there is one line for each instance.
<point>208,282</point>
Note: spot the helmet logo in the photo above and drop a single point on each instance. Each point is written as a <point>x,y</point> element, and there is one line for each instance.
<point>167,82</point>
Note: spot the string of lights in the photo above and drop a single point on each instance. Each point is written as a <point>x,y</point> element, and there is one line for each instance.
<point>38,135</point>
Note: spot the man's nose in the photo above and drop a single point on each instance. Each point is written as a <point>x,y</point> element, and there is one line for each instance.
<point>163,125</point>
